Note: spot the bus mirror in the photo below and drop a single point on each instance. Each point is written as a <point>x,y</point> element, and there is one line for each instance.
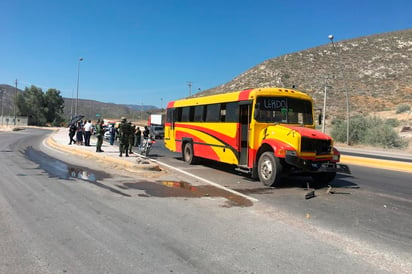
<point>320,118</point>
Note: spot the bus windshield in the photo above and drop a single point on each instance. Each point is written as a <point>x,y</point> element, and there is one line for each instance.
<point>283,110</point>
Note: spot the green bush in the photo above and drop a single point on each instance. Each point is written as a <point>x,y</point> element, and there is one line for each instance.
<point>368,131</point>
<point>403,108</point>
<point>392,122</point>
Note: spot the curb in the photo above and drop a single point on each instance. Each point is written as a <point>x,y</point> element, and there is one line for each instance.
<point>127,165</point>
<point>377,163</point>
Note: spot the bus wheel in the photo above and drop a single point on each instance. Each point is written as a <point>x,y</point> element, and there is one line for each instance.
<point>187,154</point>
<point>269,169</point>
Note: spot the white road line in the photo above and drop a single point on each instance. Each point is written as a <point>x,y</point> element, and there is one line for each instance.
<point>206,181</point>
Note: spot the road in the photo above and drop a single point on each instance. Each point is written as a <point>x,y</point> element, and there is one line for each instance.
<point>51,222</point>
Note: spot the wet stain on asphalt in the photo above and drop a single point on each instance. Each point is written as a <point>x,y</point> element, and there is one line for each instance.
<point>62,170</point>
<point>65,171</point>
<point>184,189</point>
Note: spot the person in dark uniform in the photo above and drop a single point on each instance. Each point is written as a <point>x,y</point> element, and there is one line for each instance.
<point>146,132</point>
<point>138,139</point>
<point>72,132</point>
<point>124,132</point>
<point>131,137</point>
<point>79,134</point>
<point>99,135</point>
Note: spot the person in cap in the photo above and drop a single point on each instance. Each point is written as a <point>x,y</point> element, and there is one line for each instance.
<point>99,135</point>
<point>131,137</point>
<point>124,133</point>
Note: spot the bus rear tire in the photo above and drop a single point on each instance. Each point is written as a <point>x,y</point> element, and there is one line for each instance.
<point>269,169</point>
<point>187,153</point>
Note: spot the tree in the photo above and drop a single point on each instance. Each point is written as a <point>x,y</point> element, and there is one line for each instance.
<point>39,107</point>
<point>54,107</point>
<point>368,131</point>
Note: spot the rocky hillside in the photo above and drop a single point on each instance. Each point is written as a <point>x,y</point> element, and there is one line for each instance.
<point>375,70</point>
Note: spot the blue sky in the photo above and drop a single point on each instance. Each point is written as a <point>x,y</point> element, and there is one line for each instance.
<point>146,51</point>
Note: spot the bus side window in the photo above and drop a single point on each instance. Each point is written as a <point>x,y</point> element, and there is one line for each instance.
<point>223,112</point>
<point>178,115</point>
<point>191,114</point>
<point>199,114</point>
<point>232,112</point>
<point>185,114</point>
<point>212,113</point>
<point>169,115</point>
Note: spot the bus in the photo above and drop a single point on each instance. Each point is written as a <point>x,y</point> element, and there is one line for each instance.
<point>266,132</point>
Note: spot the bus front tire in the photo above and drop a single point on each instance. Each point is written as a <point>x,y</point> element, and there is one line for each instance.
<point>187,153</point>
<point>269,169</point>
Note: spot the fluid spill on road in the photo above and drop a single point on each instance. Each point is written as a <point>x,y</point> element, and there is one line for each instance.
<point>187,190</point>
<point>62,170</point>
<point>65,171</point>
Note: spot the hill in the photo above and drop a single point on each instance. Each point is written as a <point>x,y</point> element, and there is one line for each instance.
<point>88,108</point>
<point>376,71</point>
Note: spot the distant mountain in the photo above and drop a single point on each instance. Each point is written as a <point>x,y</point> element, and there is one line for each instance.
<point>91,108</point>
<point>376,71</point>
<point>142,107</point>
<point>7,94</point>
<point>88,108</point>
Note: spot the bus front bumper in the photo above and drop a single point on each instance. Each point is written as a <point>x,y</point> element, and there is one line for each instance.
<point>316,166</point>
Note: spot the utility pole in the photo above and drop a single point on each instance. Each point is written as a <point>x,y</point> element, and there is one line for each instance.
<point>77,93</point>
<point>346,90</point>
<point>189,84</point>
<point>324,106</point>
<point>71,106</point>
<point>15,102</point>
<point>2,93</point>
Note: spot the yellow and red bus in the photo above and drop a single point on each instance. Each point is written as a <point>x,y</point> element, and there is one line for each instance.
<point>267,132</point>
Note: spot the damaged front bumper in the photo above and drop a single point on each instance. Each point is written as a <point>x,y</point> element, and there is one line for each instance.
<point>316,166</point>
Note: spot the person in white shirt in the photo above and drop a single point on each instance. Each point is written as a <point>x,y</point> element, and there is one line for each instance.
<point>87,132</point>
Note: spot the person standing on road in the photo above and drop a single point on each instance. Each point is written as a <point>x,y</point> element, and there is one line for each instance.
<point>124,132</point>
<point>99,135</point>
<point>79,134</point>
<point>112,131</point>
<point>87,132</point>
<point>131,137</point>
<point>72,132</point>
<point>138,137</point>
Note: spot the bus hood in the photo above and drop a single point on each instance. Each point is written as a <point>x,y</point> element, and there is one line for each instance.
<point>301,139</point>
<point>308,132</point>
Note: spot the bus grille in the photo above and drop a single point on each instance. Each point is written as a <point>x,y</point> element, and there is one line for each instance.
<point>315,145</point>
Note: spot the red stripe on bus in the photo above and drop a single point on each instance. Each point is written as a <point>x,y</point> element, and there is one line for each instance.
<point>231,141</point>
<point>244,94</point>
<point>200,150</point>
<point>171,104</point>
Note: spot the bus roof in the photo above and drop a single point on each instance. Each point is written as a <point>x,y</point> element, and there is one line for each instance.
<point>243,95</point>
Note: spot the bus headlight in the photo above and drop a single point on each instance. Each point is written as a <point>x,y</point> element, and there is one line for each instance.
<point>291,153</point>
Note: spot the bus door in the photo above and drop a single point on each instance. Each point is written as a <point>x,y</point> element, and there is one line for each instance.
<point>245,109</point>
<point>170,119</point>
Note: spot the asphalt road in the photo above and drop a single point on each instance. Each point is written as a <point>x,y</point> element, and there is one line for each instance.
<point>52,222</point>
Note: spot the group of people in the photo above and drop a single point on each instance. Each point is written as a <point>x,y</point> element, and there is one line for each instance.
<point>83,130</point>
<point>128,134</point>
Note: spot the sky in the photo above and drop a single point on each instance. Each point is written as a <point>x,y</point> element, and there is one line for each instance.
<point>147,52</point>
